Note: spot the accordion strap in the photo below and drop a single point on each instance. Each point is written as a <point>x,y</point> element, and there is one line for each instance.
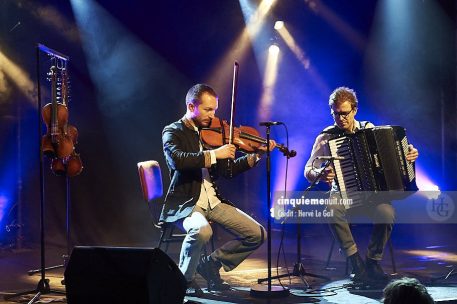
<point>334,130</point>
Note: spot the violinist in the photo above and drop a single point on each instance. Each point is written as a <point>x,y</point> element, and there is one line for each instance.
<point>193,198</point>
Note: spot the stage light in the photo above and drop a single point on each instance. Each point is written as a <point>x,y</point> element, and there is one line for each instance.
<point>424,183</point>
<point>435,255</point>
<point>254,18</point>
<point>10,169</point>
<point>279,25</point>
<point>269,81</point>
<point>3,206</point>
<point>274,50</point>
<point>427,187</point>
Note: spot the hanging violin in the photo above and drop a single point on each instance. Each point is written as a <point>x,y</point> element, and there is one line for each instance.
<point>71,165</point>
<point>56,142</point>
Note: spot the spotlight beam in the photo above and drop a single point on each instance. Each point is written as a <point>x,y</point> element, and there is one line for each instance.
<point>17,75</point>
<point>238,50</point>
<point>301,56</point>
<point>354,37</point>
<point>293,46</point>
<point>269,81</point>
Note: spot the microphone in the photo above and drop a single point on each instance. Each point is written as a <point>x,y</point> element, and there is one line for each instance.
<point>330,157</point>
<point>270,123</point>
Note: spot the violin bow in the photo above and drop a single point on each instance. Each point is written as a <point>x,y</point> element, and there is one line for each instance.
<point>236,67</point>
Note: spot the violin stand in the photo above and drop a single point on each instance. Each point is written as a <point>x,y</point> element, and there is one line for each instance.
<point>43,286</point>
<point>66,256</point>
<point>299,268</point>
<point>67,189</point>
<point>261,290</point>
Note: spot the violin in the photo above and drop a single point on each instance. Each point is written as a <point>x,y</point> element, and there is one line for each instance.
<point>246,139</point>
<point>56,142</point>
<point>71,165</point>
<point>61,138</point>
<point>65,95</point>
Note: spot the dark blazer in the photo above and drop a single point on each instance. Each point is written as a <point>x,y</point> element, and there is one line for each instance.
<point>185,162</point>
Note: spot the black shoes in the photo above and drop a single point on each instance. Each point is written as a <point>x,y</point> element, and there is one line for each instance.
<point>358,268</point>
<point>193,290</point>
<point>374,271</point>
<point>209,270</point>
<point>368,272</point>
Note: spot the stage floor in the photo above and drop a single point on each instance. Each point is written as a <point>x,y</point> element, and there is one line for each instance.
<point>423,263</point>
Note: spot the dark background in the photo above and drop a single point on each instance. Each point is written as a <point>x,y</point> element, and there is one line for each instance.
<point>131,64</point>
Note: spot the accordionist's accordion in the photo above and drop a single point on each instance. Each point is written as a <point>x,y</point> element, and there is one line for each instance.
<point>374,161</point>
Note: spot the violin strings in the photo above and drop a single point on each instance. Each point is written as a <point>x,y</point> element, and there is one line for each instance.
<point>253,137</point>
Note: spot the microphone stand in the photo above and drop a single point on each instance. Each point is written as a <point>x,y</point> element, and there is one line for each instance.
<point>260,290</point>
<point>299,268</point>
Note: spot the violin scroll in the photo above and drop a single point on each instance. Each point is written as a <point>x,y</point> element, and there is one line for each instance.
<point>286,152</point>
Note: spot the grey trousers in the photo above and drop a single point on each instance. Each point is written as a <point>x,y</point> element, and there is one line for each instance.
<point>249,236</point>
<point>382,215</point>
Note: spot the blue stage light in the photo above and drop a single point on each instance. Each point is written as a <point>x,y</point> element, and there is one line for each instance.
<point>4,202</point>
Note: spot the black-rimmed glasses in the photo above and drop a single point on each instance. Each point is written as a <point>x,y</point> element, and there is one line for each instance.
<point>342,114</point>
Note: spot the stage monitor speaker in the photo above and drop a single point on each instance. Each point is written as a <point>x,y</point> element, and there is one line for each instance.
<point>124,275</point>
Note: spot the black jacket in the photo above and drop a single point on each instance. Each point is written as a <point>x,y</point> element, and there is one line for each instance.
<point>185,162</point>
